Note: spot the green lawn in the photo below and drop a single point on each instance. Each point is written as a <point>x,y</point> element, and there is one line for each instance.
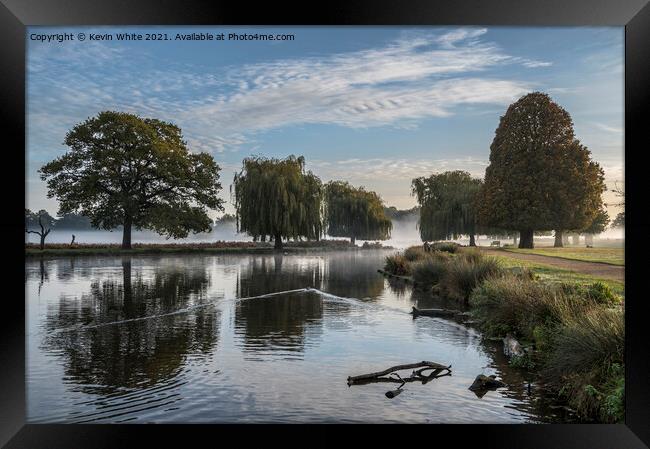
<point>612,256</point>
<point>552,274</point>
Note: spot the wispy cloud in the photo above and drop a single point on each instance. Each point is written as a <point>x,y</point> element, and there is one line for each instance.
<point>416,76</point>
<point>608,128</point>
<point>392,169</point>
<point>533,64</point>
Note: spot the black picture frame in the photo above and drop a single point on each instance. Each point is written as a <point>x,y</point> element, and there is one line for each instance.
<point>15,15</point>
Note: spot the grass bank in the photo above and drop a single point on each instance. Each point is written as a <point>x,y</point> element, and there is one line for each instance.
<point>556,275</point>
<point>32,250</point>
<point>571,325</point>
<point>612,256</point>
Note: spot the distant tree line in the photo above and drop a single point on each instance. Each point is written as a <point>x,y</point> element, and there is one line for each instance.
<point>406,214</point>
<point>67,221</point>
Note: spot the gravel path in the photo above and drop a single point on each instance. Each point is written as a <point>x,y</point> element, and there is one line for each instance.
<point>596,269</point>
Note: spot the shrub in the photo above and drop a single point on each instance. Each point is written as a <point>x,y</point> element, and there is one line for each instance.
<point>414,253</point>
<point>586,341</point>
<point>448,247</point>
<point>586,363</point>
<point>522,361</point>
<point>602,293</point>
<point>517,304</point>
<point>430,270</point>
<point>397,264</point>
<point>467,271</point>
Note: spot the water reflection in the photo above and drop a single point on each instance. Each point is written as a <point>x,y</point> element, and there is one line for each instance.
<point>131,353</point>
<point>277,273</point>
<point>352,275</point>
<point>188,339</point>
<point>278,324</point>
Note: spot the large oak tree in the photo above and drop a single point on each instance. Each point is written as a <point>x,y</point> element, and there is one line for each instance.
<point>136,172</point>
<point>540,176</point>
<point>277,198</point>
<point>355,213</point>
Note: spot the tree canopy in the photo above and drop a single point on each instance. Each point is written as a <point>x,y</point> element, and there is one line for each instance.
<point>41,221</point>
<point>540,176</point>
<point>137,172</point>
<point>448,205</point>
<point>355,213</point>
<point>277,198</point>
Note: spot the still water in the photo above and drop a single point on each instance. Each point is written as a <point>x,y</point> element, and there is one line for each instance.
<point>238,338</point>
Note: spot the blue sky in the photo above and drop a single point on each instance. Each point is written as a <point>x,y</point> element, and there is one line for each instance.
<point>376,106</point>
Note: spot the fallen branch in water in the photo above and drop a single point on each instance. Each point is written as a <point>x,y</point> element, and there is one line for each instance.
<point>415,376</point>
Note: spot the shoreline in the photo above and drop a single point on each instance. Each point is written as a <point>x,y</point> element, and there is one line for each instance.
<point>156,249</point>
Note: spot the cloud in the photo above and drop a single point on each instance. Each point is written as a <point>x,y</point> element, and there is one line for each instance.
<point>609,129</point>
<point>533,64</point>
<point>416,76</point>
<point>393,169</point>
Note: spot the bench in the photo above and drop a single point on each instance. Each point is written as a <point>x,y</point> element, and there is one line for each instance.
<point>496,243</point>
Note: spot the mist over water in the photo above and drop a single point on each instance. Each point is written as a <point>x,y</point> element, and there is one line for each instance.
<point>404,234</point>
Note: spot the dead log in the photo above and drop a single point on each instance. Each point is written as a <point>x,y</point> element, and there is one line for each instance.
<point>435,312</point>
<point>416,375</point>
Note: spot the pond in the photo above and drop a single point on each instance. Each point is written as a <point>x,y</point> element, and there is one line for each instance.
<point>239,338</point>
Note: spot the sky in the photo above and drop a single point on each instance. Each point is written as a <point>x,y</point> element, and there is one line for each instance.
<point>375,106</point>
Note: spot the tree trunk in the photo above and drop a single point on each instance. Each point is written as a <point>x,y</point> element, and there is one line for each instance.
<point>126,233</point>
<point>526,238</point>
<point>353,240</point>
<point>42,241</point>
<point>515,240</point>
<point>472,241</point>
<point>589,239</point>
<point>558,239</point>
<point>128,287</point>
<point>278,241</point>
<point>565,239</point>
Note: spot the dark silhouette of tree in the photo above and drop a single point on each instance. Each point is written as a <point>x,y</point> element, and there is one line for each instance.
<point>355,213</point>
<point>44,222</point>
<point>137,172</point>
<point>540,176</point>
<point>278,199</point>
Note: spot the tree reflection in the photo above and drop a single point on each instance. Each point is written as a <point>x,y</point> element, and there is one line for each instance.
<point>277,273</point>
<point>353,275</point>
<point>137,353</point>
<point>278,322</point>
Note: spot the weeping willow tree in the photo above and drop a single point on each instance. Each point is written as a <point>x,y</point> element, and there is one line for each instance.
<point>355,213</point>
<point>276,198</point>
<point>448,205</point>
